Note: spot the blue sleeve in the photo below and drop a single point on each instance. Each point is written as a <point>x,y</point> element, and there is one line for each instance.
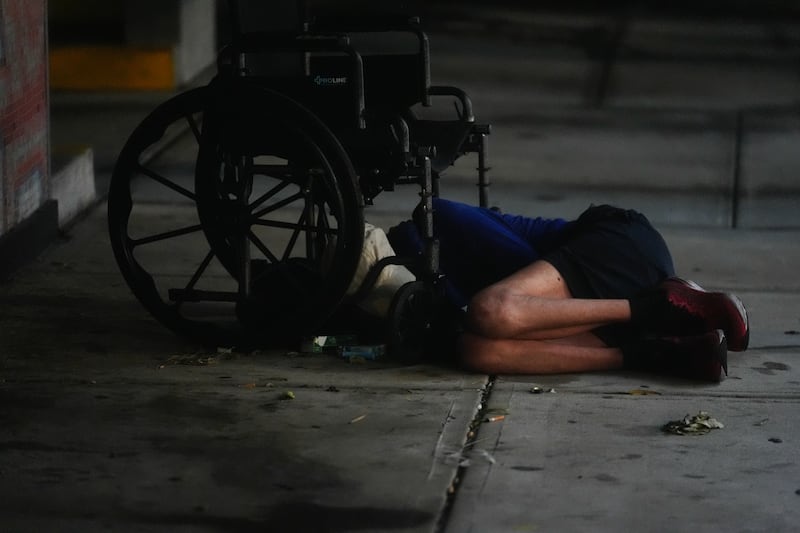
<point>541,233</point>
<point>478,246</point>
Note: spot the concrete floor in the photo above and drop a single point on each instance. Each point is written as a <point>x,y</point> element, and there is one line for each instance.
<point>111,422</point>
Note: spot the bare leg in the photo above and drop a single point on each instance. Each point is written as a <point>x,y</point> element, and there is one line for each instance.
<point>529,323</point>
<point>535,304</point>
<point>581,353</point>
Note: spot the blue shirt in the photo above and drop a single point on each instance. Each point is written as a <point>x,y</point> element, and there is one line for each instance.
<point>479,246</point>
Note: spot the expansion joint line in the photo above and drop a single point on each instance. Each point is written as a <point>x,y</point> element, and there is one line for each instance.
<point>470,439</point>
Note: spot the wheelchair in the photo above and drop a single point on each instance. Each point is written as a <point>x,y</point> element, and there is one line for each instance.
<point>282,150</point>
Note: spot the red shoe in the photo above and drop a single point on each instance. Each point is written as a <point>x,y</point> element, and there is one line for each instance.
<point>705,357</point>
<point>702,357</point>
<point>705,311</point>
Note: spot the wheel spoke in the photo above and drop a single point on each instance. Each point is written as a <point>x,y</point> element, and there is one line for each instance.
<point>194,127</point>
<point>196,277</point>
<point>322,228</point>
<point>166,183</point>
<point>166,235</point>
<point>269,194</point>
<point>274,207</point>
<point>262,247</point>
<point>294,237</point>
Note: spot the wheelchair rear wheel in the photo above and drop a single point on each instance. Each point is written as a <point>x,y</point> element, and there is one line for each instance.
<point>264,225</point>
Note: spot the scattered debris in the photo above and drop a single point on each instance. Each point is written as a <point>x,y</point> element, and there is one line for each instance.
<point>699,424</point>
<point>357,419</point>
<point>762,422</point>
<point>776,440</point>
<point>248,385</point>
<point>494,412</point>
<point>288,395</point>
<point>486,455</point>
<point>465,458</point>
<point>367,352</point>
<point>194,359</point>
<point>326,343</point>
<point>539,390</point>
<point>497,418</point>
<point>332,389</point>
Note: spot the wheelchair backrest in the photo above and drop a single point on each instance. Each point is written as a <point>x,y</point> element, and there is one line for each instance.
<point>345,71</point>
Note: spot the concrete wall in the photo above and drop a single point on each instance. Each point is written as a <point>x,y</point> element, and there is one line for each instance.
<point>23,111</point>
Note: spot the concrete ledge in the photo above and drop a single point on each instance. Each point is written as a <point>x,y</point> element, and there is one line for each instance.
<point>25,241</point>
<point>72,183</point>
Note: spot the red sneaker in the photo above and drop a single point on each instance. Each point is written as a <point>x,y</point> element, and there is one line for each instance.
<point>702,357</point>
<point>700,311</point>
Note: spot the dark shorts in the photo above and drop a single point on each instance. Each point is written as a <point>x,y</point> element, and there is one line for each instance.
<point>611,253</point>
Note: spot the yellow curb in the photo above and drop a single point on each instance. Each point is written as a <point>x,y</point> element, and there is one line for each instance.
<point>111,67</point>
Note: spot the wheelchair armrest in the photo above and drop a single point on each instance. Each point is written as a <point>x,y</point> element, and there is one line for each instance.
<point>466,103</point>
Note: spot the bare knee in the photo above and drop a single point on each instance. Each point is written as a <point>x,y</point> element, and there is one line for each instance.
<point>490,312</point>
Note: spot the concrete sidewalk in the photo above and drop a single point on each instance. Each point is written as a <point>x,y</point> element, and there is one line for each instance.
<point>110,422</point>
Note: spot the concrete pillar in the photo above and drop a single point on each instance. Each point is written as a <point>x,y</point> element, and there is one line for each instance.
<point>23,111</point>
<point>197,44</point>
<point>28,218</point>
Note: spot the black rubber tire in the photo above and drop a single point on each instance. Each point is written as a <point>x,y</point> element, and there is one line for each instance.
<point>209,109</point>
<point>410,322</point>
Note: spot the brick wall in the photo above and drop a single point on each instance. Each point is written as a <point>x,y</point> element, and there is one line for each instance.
<point>24,134</point>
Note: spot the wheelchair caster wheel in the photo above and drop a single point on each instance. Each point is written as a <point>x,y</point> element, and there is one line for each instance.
<point>410,322</point>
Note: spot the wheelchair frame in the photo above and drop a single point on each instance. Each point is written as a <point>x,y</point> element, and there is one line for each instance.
<point>339,134</point>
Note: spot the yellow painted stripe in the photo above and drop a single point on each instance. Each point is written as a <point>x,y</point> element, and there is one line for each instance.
<point>107,67</point>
